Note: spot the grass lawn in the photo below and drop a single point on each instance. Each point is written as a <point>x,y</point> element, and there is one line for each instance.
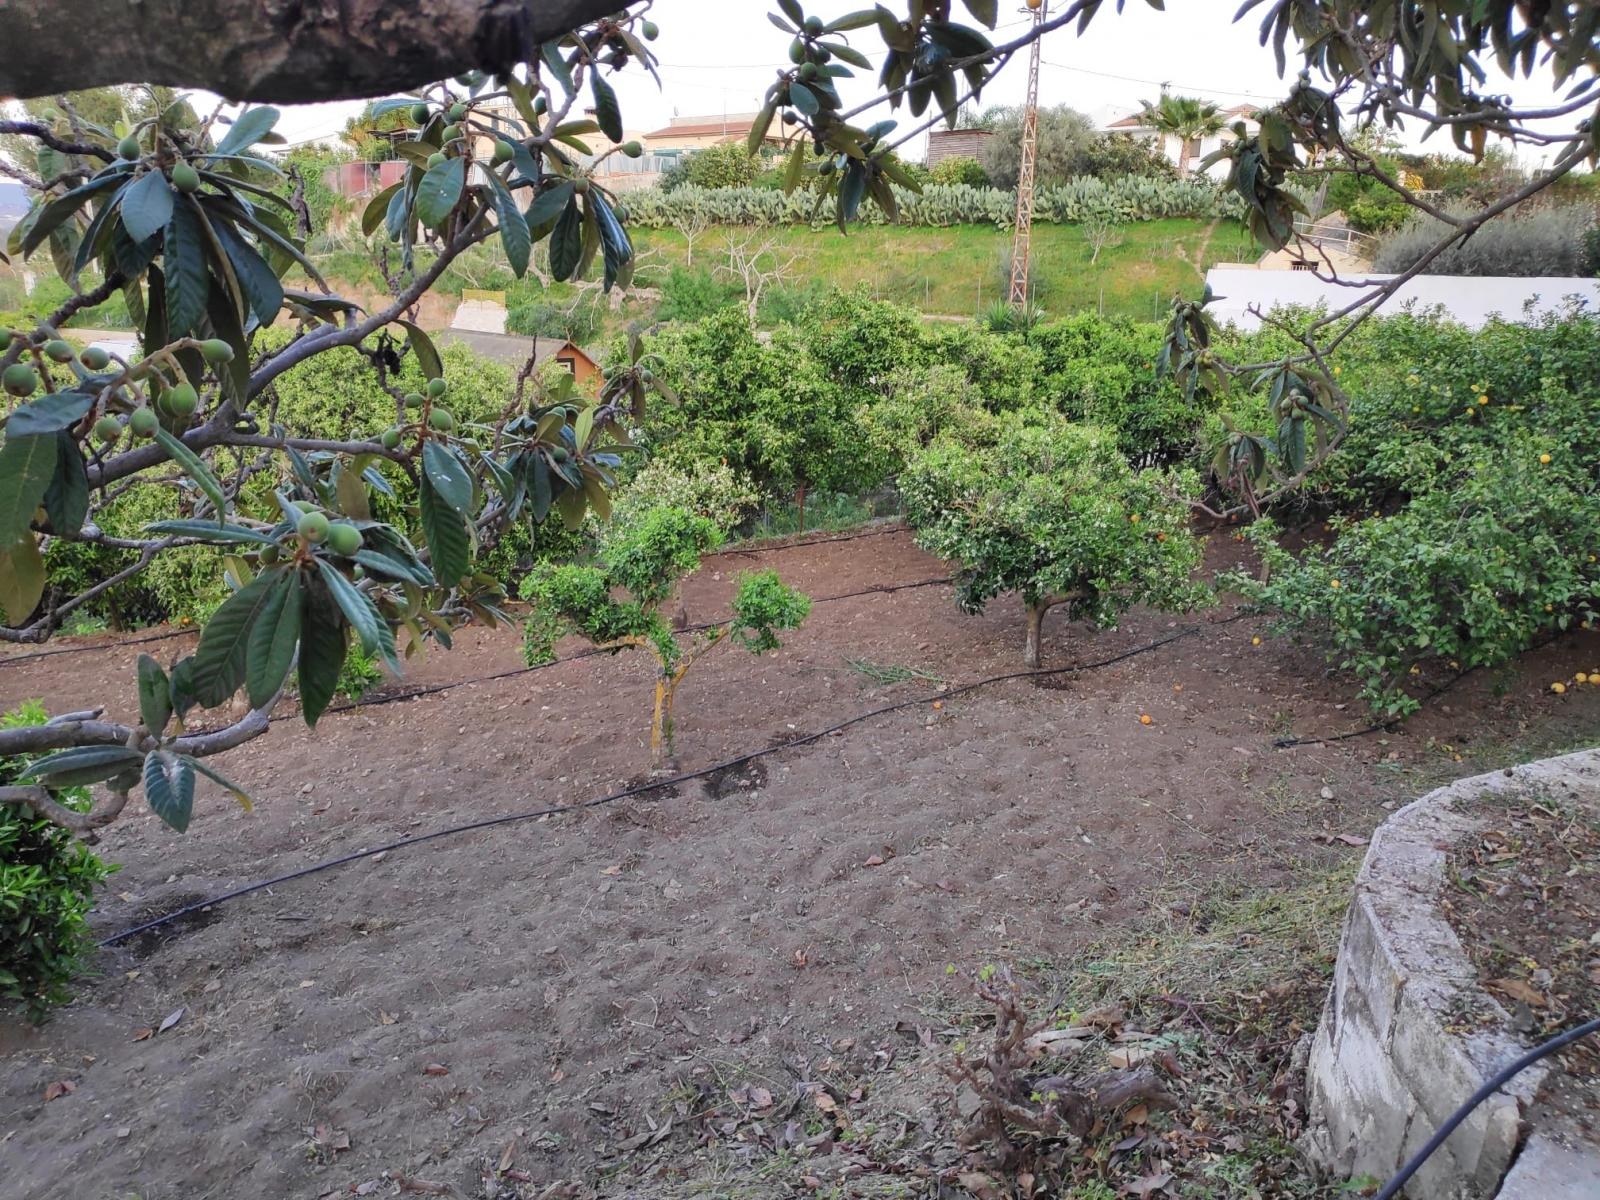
<point>959,270</point>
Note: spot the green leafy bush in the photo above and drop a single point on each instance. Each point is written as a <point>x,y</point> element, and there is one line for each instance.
<point>615,603</point>
<point>1469,574</point>
<point>963,171</point>
<point>767,408</point>
<point>1052,511</point>
<point>47,883</point>
<point>1464,501</point>
<point>692,295</point>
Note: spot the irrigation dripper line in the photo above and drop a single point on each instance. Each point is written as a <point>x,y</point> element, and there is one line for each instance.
<point>436,688</point>
<point>639,789</point>
<point>7,660</point>
<point>896,526</point>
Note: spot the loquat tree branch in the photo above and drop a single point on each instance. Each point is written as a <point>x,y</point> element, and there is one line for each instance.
<point>246,50</point>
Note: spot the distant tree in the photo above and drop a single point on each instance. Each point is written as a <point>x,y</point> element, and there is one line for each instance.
<point>1186,118</point>
<point>1066,144</point>
<point>364,132</point>
<point>724,166</point>
<point>959,170</point>
<point>1115,155</point>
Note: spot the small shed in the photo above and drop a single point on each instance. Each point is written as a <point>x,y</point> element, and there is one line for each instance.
<point>514,350</point>
<point>956,143</point>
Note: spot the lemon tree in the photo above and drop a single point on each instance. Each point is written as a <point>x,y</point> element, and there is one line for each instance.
<point>1051,510</point>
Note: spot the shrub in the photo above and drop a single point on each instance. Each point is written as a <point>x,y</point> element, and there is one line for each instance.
<point>691,295</point>
<point>1457,542</point>
<point>1113,155</point>
<point>47,883</point>
<point>728,165</point>
<point>716,492</point>
<point>1470,575</point>
<point>1552,242</point>
<point>615,602</point>
<point>1122,198</point>
<point>1053,512</point>
<point>961,170</point>
<point>1101,370</point>
<point>769,409</point>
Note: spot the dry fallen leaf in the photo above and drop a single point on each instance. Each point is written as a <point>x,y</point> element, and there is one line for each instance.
<point>1519,990</point>
<point>435,1069</point>
<point>58,1089</point>
<point>825,1102</point>
<point>1124,1057</point>
<point>760,1098</point>
<point>508,1156</point>
<point>385,1018</point>
<point>800,958</point>
<point>1150,1183</point>
<point>875,861</point>
<point>617,870</point>
<point>171,1019</point>
<point>426,1187</point>
<point>144,1034</point>
<point>1351,839</point>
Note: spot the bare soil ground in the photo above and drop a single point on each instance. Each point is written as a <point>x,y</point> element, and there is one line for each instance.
<point>501,1011</point>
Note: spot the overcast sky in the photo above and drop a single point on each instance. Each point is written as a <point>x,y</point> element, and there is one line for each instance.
<point>718,58</point>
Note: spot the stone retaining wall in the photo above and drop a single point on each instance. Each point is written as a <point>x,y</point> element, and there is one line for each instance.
<point>1391,1061</point>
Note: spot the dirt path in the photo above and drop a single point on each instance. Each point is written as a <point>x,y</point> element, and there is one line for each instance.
<point>555,982</point>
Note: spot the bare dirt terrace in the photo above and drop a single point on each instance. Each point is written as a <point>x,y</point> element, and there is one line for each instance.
<point>649,997</point>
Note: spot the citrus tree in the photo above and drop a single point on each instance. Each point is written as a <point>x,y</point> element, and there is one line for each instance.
<point>616,601</point>
<point>1052,511</point>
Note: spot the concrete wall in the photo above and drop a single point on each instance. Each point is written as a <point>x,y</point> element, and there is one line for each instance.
<point>1470,299</point>
<point>1391,1059</point>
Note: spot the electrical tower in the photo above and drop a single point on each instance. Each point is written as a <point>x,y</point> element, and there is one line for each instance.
<point>1022,240</point>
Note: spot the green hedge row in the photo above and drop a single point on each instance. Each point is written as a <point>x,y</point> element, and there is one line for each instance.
<point>1129,198</point>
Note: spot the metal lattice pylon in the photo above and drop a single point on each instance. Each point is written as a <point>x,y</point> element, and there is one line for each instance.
<point>1022,239</point>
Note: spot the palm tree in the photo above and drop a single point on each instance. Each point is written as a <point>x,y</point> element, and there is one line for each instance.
<point>1186,118</point>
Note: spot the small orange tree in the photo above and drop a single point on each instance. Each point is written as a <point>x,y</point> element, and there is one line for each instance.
<point>1052,511</point>
<point>615,602</point>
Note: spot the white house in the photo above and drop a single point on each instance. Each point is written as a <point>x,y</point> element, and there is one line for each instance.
<point>1187,156</point>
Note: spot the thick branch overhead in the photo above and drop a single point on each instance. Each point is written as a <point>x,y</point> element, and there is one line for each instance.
<point>271,50</point>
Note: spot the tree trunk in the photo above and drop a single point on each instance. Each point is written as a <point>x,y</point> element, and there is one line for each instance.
<point>663,759</point>
<point>277,52</point>
<point>1032,656</point>
<point>1030,653</point>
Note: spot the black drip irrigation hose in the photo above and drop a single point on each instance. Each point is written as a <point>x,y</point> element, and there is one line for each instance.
<point>802,541</point>
<point>9,659</point>
<point>436,688</point>
<point>639,789</point>
<point>1501,1078</point>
